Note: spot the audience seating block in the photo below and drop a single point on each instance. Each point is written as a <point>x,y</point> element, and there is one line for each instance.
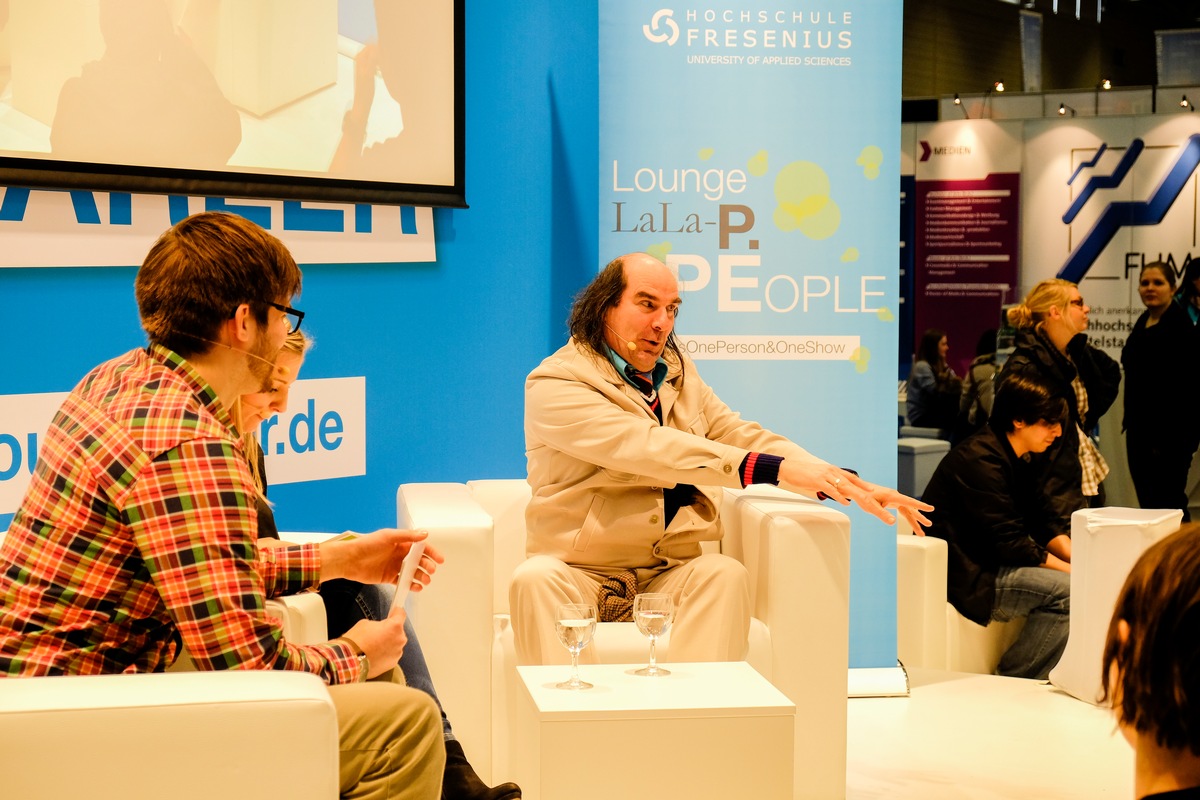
<point>916,460</point>
<point>930,633</point>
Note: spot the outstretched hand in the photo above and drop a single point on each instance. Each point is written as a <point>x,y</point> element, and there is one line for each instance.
<point>846,487</point>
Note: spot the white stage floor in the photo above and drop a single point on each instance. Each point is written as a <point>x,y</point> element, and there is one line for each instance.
<point>981,737</point>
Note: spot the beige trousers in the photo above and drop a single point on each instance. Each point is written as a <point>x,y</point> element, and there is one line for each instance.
<point>390,740</point>
<point>712,608</point>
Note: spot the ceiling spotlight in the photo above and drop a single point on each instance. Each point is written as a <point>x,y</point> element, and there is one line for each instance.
<point>999,86</point>
<point>1183,103</point>
<point>1063,108</point>
<point>958,102</point>
<point>1106,84</point>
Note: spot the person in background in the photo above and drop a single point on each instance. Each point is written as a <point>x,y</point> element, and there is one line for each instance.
<point>1189,290</point>
<point>1161,358</point>
<point>1151,667</point>
<point>1051,342</point>
<point>1009,554</point>
<point>137,535</point>
<point>628,453</point>
<point>933,388</point>
<point>346,601</point>
<point>978,388</point>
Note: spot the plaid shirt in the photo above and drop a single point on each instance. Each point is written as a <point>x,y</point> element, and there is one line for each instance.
<point>138,531</point>
<point>1094,467</point>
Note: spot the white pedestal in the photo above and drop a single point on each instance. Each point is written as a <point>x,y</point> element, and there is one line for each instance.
<point>712,730</point>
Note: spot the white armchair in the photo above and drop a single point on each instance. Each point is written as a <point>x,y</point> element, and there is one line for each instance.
<point>797,552</point>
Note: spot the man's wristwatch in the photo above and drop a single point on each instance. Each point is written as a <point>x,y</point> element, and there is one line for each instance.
<point>364,664</point>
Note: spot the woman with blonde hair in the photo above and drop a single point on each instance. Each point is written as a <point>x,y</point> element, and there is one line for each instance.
<point>1051,344</point>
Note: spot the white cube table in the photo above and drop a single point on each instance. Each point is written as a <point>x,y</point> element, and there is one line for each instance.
<point>712,730</point>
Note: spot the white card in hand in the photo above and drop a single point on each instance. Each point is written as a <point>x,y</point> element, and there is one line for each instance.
<point>407,572</point>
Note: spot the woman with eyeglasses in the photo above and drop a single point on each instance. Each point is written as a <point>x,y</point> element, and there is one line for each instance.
<point>1161,358</point>
<point>347,602</point>
<point>1051,344</point>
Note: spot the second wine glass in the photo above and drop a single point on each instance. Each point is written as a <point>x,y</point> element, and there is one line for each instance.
<point>653,612</point>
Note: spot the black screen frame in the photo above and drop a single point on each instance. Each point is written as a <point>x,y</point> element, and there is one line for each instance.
<point>39,173</point>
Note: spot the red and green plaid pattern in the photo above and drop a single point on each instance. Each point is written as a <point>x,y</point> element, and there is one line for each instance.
<point>138,530</point>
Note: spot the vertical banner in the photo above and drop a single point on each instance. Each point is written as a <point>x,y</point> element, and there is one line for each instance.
<point>754,148</point>
<point>966,242</point>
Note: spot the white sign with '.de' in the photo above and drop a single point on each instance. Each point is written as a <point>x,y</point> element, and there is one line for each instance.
<point>321,436</point>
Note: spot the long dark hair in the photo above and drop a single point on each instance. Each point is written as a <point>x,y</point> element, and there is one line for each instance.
<point>928,349</point>
<point>586,323</point>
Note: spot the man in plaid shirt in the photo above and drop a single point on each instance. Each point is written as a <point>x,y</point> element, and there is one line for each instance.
<point>137,535</point>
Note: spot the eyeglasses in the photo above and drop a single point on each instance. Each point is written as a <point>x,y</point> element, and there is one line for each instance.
<point>293,317</point>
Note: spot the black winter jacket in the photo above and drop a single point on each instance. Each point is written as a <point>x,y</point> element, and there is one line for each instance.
<point>992,512</point>
<point>1101,376</point>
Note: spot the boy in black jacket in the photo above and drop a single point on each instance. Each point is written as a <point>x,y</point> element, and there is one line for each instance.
<point>1009,551</point>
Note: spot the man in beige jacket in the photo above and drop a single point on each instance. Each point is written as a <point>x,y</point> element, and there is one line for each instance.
<point>628,450</point>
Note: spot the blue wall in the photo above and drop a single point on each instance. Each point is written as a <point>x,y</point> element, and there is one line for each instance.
<point>445,346</point>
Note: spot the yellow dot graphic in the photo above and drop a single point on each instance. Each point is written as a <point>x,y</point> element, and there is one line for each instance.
<point>850,255</point>
<point>870,160</point>
<point>802,191</point>
<point>705,153</point>
<point>659,251</point>
<point>885,315</point>
<point>861,358</point>
<point>757,165</point>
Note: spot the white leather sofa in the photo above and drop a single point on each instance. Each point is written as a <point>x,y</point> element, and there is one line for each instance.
<point>797,552</point>
<point>930,633</point>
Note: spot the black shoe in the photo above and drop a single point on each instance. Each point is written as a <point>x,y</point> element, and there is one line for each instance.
<point>461,783</point>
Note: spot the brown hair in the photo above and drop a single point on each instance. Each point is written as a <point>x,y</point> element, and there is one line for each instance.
<point>199,272</point>
<point>929,351</point>
<point>1051,293</point>
<point>1153,677</point>
<point>1164,268</point>
<point>586,323</point>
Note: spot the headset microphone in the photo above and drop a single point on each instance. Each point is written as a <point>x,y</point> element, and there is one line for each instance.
<point>630,346</point>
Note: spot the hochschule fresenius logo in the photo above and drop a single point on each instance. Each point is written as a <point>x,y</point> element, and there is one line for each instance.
<point>662,27</point>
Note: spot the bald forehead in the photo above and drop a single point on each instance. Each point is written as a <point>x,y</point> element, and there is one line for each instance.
<point>645,274</point>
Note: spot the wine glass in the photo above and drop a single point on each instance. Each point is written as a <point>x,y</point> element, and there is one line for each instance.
<point>575,624</point>
<point>653,612</point>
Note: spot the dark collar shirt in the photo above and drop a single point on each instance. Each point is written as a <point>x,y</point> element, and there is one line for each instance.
<point>138,533</point>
